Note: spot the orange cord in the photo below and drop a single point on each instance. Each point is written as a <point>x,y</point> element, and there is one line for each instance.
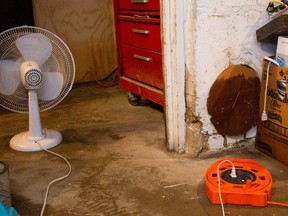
<point>278,203</point>
<point>97,81</point>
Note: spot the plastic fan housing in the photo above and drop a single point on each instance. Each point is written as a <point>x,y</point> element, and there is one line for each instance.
<point>252,186</point>
<point>37,71</point>
<point>53,57</point>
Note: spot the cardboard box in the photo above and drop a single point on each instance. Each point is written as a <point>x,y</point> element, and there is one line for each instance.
<point>272,135</point>
<point>282,51</point>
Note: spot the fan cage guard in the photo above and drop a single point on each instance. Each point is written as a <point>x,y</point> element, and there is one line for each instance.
<point>256,191</point>
<point>18,101</point>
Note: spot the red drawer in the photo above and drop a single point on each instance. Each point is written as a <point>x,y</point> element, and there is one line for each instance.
<point>140,4</point>
<point>142,65</point>
<point>146,36</point>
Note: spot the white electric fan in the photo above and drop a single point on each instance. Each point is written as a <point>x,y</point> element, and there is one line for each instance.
<point>37,71</point>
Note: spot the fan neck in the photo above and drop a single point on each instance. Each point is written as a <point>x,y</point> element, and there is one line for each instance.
<point>35,129</point>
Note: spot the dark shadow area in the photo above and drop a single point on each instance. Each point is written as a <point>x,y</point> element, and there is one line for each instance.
<point>15,13</point>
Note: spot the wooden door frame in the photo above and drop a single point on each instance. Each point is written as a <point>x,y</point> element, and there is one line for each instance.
<point>173,49</point>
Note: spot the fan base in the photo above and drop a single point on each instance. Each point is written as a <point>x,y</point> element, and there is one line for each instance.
<point>20,141</point>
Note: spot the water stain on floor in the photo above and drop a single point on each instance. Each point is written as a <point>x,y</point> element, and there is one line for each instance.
<point>120,164</point>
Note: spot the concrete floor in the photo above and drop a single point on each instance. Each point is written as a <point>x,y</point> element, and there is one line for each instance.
<point>120,163</point>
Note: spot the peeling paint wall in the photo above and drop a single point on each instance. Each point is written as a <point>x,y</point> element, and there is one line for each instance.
<point>223,33</point>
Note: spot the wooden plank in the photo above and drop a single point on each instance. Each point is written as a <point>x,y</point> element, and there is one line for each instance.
<point>233,100</point>
<point>273,29</point>
<point>88,29</point>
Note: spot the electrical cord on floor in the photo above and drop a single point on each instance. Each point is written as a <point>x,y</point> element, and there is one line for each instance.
<point>97,81</point>
<point>233,175</point>
<point>55,180</point>
<point>278,204</point>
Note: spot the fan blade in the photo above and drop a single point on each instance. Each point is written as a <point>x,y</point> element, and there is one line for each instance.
<point>34,47</point>
<point>9,77</point>
<point>51,86</point>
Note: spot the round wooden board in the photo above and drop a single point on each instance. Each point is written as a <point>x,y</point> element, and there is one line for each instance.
<point>233,100</point>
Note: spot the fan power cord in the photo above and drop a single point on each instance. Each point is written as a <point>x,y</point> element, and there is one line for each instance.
<point>55,180</point>
<point>98,81</point>
<point>232,174</point>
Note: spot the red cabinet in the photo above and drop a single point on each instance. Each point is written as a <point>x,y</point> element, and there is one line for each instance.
<point>140,4</point>
<point>142,35</point>
<point>138,39</point>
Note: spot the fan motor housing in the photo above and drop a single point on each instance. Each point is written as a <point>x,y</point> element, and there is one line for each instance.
<point>31,75</point>
<point>252,185</point>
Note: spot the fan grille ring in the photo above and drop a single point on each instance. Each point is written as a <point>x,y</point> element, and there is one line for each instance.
<point>61,60</point>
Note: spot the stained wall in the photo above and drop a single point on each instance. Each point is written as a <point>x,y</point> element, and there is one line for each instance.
<point>221,33</point>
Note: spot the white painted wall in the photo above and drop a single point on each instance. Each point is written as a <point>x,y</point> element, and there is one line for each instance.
<point>224,34</point>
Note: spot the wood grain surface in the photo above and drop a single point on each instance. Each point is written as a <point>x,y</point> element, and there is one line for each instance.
<point>233,100</point>
<point>87,27</point>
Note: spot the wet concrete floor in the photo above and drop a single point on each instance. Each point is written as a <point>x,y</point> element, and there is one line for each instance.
<point>120,165</point>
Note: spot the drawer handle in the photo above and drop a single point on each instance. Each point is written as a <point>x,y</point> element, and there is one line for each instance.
<point>139,1</point>
<point>139,31</point>
<point>147,59</point>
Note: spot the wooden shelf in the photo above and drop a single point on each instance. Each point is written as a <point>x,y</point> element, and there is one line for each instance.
<point>277,27</point>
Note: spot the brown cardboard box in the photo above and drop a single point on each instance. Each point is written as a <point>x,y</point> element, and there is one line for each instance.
<point>272,135</point>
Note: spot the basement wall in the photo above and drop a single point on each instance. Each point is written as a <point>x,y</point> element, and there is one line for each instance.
<point>219,33</point>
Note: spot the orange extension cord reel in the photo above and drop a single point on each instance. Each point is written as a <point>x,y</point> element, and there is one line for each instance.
<point>252,186</point>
